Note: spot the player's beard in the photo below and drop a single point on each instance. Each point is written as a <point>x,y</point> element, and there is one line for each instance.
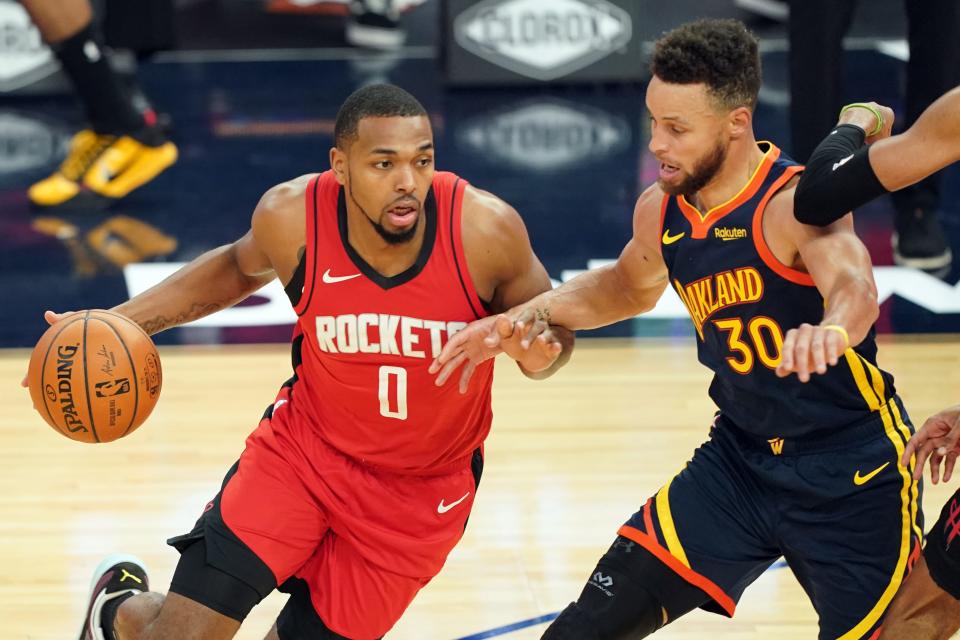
<point>390,237</point>
<point>704,171</point>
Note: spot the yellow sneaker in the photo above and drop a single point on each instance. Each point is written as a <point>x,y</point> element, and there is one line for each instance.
<point>102,168</point>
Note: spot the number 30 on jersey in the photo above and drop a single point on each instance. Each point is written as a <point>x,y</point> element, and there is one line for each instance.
<point>766,339</point>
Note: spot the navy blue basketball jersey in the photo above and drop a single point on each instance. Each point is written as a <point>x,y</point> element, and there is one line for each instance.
<point>743,301</point>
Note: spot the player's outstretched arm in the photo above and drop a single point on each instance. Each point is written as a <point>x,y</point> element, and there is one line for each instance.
<point>842,174</point>
<point>599,297</point>
<point>840,267</point>
<point>506,271</point>
<point>220,277</point>
<point>930,144</point>
<point>615,292</point>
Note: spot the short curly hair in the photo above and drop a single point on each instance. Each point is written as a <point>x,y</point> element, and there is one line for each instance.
<point>373,101</point>
<point>722,54</point>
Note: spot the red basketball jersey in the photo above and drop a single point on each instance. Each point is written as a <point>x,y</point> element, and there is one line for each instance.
<point>363,342</point>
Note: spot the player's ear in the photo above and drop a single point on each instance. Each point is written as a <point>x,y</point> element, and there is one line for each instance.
<point>338,163</point>
<point>739,122</point>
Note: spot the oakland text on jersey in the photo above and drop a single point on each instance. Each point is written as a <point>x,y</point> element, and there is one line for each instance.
<point>384,334</point>
<point>708,295</point>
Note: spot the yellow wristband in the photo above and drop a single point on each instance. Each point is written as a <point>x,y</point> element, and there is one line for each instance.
<point>872,109</point>
<point>838,329</point>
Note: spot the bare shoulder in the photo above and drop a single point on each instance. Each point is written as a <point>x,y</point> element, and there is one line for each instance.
<point>283,200</point>
<point>780,205</point>
<point>488,217</point>
<point>279,224</point>
<point>495,241</point>
<point>650,202</point>
<point>646,216</point>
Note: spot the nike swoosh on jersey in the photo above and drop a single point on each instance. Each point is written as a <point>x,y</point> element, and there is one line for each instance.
<point>668,239</point>
<point>861,480</point>
<point>329,279</point>
<point>443,508</point>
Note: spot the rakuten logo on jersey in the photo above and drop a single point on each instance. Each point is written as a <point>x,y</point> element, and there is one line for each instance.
<point>543,39</point>
<point>384,334</point>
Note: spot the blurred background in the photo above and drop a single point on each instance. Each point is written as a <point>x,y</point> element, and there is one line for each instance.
<point>540,101</point>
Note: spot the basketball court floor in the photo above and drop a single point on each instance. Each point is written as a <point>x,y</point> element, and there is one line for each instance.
<point>569,459</point>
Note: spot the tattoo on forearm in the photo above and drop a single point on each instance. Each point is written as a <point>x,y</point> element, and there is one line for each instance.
<point>198,310</point>
<point>542,314</point>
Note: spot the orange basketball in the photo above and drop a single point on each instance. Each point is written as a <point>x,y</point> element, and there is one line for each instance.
<point>94,376</point>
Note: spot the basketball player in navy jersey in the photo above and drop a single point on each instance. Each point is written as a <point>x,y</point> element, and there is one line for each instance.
<point>360,477</point>
<point>854,164</point>
<point>803,458</point>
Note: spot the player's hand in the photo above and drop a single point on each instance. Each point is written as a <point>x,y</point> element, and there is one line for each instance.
<point>521,336</point>
<point>51,318</point>
<point>811,349</point>
<point>466,348</point>
<point>867,120</point>
<point>527,339</point>
<point>937,441</point>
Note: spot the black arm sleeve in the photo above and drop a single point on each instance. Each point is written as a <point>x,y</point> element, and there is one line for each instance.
<point>837,179</point>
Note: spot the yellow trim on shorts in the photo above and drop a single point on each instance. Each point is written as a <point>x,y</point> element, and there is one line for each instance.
<point>879,386</point>
<point>860,377</point>
<point>667,527</point>
<point>915,490</point>
<point>864,626</point>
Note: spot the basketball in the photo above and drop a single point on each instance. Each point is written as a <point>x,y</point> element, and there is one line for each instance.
<point>94,376</point>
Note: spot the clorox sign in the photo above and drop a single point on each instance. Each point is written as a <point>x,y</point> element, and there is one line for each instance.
<point>543,39</point>
<point>546,135</point>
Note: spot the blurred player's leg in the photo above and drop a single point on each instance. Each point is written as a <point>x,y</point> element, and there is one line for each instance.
<point>121,149</point>
<point>375,24</point>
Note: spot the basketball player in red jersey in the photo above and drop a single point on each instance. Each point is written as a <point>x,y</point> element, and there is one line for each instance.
<point>805,466</point>
<point>359,478</point>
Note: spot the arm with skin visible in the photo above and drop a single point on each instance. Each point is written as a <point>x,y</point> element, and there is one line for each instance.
<point>506,271</point>
<point>932,143</point>
<point>224,276</point>
<point>841,176</point>
<point>840,267</point>
<point>630,286</point>
<point>622,290</point>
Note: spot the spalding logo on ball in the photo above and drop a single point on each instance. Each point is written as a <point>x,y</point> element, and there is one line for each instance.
<point>94,376</point>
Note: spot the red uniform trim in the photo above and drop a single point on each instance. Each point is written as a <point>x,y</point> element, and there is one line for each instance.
<point>782,270</point>
<point>709,587</point>
<point>459,255</point>
<point>310,272</point>
<point>648,518</point>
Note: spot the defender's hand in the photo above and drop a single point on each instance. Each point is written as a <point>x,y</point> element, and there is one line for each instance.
<point>467,348</point>
<point>937,441</point>
<point>528,340</point>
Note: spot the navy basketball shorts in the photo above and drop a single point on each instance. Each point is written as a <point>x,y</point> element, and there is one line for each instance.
<point>840,509</point>
<point>942,552</point>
